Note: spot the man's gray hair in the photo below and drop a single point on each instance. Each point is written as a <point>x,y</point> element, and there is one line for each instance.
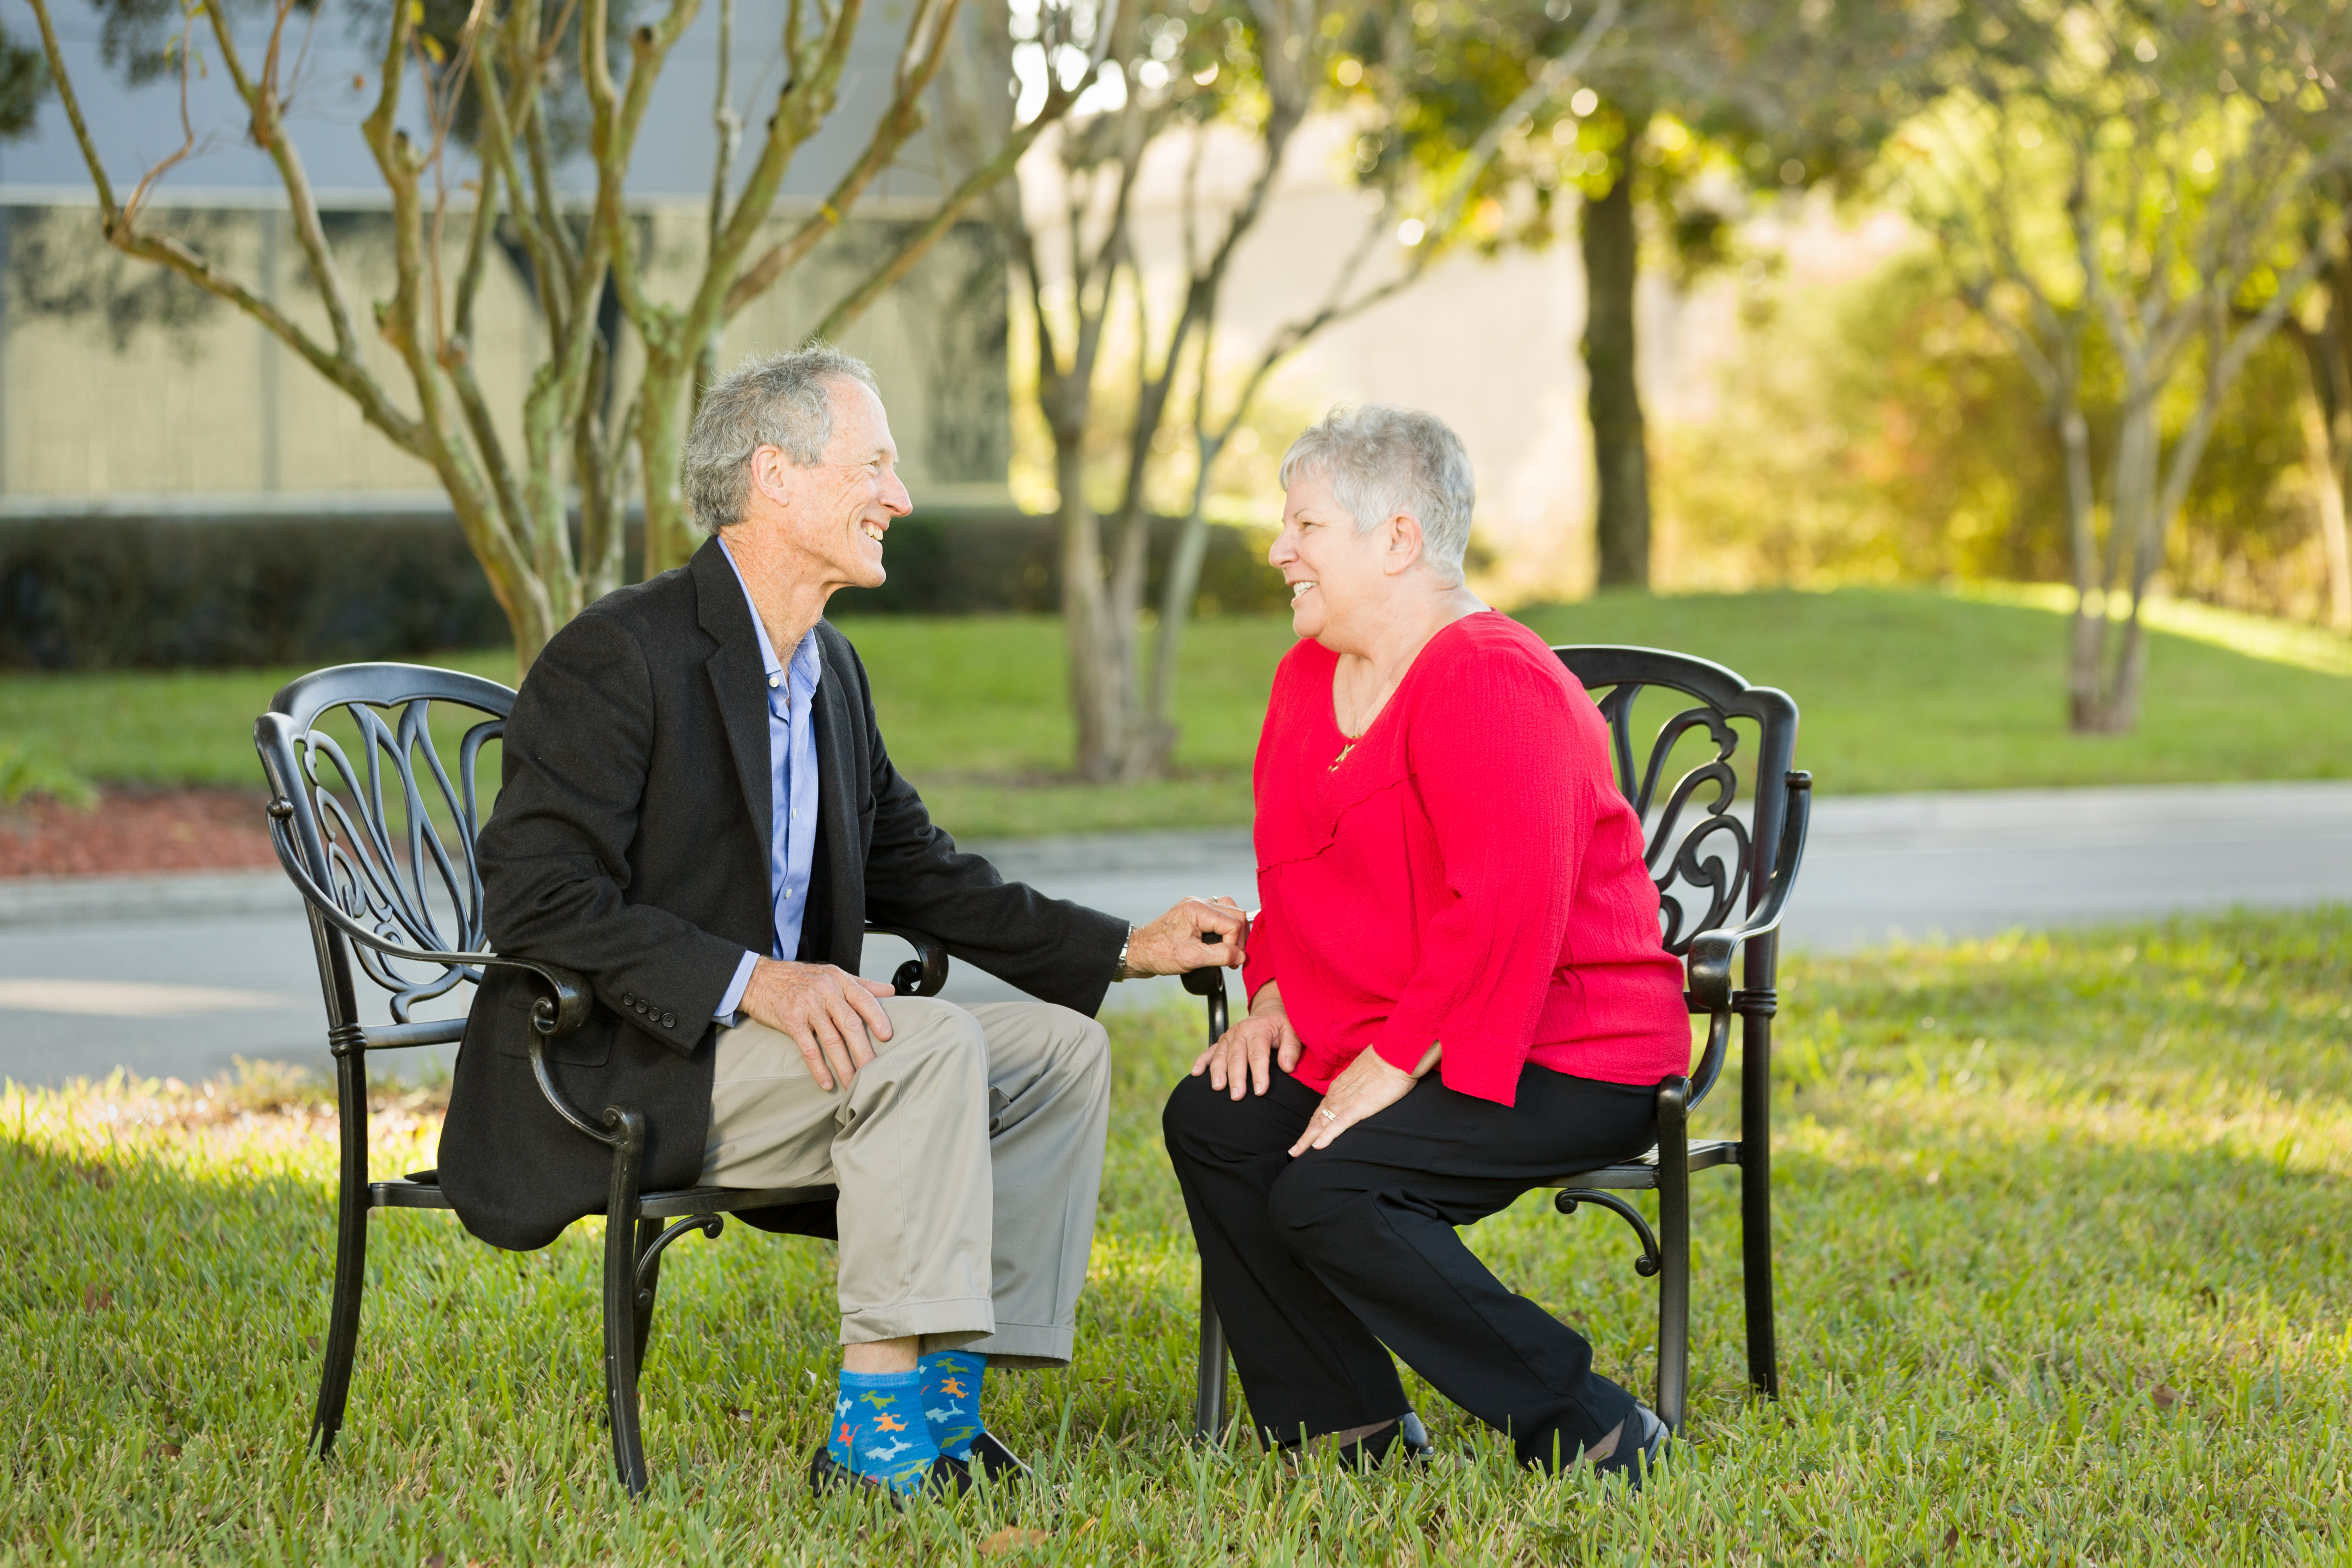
<point>1381,460</point>
<point>781,400</point>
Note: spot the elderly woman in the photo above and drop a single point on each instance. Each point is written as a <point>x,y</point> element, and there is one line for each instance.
<point>1455,982</point>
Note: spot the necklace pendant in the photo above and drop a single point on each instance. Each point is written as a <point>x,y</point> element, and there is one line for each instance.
<point>1343,756</point>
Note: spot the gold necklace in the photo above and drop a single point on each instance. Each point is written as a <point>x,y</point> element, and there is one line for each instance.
<point>1342,757</point>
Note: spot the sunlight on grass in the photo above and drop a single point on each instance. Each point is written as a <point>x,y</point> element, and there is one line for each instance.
<point>2063,1231</point>
<point>2256,637</point>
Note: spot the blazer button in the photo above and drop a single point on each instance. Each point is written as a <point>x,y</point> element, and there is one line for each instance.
<point>627,1000</point>
<point>669,1020</point>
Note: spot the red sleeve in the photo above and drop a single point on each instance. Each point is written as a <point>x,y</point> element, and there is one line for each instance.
<point>1493,763</point>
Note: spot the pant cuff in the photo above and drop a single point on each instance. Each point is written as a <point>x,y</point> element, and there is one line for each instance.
<point>1025,1346</point>
<point>957,1315</point>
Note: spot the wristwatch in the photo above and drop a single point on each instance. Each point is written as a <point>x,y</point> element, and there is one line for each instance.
<point>1121,973</point>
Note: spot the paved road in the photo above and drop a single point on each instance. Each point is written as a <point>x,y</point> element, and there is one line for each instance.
<point>174,976</point>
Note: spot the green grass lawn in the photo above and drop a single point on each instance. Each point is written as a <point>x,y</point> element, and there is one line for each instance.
<point>2065,1274</point>
<point>1901,689</point>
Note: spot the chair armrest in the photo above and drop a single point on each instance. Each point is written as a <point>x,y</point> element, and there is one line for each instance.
<point>923,975</point>
<point>1708,963</point>
<point>1211,984</point>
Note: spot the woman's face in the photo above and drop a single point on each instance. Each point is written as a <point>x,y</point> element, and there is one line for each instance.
<point>1336,574</point>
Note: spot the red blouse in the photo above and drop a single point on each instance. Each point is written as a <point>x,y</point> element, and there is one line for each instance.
<point>1467,872</point>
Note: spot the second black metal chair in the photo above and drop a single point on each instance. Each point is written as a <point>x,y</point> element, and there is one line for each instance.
<point>1744,848</point>
<point>381,847</point>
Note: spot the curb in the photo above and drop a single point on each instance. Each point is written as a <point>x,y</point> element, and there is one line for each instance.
<point>183,896</point>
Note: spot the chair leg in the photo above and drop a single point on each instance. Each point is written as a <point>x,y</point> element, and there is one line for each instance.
<point>1209,1410</point>
<point>1673,1246</point>
<point>621,1300</point>
<point>1756,1201</point>
<point>648,1232</point>
<point>351,1257</point>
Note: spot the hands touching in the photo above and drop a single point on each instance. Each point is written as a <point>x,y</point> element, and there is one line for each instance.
<point>825,1010</point>
<point>1237,1061</point>
<point>1237,1064</point>
<point>1173,944</point>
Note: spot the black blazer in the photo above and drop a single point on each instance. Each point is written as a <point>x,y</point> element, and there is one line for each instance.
<point>630,842</point>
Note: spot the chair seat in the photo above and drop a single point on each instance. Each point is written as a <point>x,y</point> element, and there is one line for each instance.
<point>422,1190</point>
<point>1642,1174</point>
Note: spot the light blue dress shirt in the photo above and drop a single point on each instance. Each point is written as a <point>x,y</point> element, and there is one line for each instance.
<point>791,785</point>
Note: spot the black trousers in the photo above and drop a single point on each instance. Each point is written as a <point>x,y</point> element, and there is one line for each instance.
<point>1316,1264</point>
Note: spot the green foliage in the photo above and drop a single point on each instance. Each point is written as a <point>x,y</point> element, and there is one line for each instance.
<point>24,82</point>
<point>1874,432</point>
<point>26,775</point>
<point>2063,1276</point>
<point>1885,430</point>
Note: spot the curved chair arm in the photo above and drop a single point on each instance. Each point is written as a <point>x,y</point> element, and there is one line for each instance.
<point>562,1008</point>
<point>923,975</point>
<point>1709,960</point>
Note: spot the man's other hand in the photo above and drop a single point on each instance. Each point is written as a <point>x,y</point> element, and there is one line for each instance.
<point>825,1009</point>
<point>1172,945</point>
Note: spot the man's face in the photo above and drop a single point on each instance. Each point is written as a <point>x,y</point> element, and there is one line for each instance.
<point>833,515</point>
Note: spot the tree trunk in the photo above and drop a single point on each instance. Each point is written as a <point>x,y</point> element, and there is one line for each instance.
<point>2327,439</point>
<point>2325,451</point>
<point>2082,550</point>
<point>2106,697</point>
<point>1620,464</point>
<point>1095,696</point>
<point>1176,595</point>
<point>670,535</point>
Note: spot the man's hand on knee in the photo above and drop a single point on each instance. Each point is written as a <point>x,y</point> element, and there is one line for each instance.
<point>825,1010</point>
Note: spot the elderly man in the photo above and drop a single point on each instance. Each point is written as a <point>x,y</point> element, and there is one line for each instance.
<point>699,813</point>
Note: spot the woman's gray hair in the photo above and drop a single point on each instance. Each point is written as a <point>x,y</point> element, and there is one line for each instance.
<point>781,400</point>
<point>1381,460</point>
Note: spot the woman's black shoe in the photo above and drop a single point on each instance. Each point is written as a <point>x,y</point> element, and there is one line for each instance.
<point>1641,1447</point>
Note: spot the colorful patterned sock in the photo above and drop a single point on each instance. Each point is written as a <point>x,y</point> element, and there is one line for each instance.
<point>951,1398</point>
<point>879,1428</point>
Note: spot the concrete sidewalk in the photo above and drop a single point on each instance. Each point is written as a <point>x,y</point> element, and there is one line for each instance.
<point>175,976</point>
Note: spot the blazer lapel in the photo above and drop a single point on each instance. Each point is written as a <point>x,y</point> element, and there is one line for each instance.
<point>738,681</point>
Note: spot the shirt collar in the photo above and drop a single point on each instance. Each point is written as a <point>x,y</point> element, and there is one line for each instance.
<point>806,663</point>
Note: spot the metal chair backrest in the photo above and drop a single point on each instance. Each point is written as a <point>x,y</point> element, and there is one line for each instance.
<point>385,835</point>
<point>1714,867</point>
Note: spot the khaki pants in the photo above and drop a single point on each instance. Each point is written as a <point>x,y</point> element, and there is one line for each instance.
<point>967,1153</point>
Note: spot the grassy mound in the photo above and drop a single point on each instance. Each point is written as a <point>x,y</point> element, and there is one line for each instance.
<point>1901,689</point>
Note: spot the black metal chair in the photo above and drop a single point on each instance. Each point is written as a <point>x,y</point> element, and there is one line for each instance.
<point>1703,871</point>
<point>386,886</point>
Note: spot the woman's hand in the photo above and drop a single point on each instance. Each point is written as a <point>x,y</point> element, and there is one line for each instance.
<point>1369,1087</point>
<point>1238,1060</point>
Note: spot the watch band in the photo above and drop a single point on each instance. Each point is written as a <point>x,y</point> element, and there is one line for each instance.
<point>1121,972</point>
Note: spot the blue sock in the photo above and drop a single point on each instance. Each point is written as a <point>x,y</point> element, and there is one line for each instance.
<point>879,1428</point>
<point>951,1398</point>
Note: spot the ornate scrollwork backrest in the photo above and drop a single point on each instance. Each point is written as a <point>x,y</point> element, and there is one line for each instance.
<point>1711,864</point>
<point>380,819</point>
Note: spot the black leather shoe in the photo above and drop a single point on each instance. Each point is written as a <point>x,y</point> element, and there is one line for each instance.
<point>947,1480</point>
<point>997,1462</point>
<point>1641,1449</point>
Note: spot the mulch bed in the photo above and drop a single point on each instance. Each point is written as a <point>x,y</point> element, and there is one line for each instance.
<point>132,830</point>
